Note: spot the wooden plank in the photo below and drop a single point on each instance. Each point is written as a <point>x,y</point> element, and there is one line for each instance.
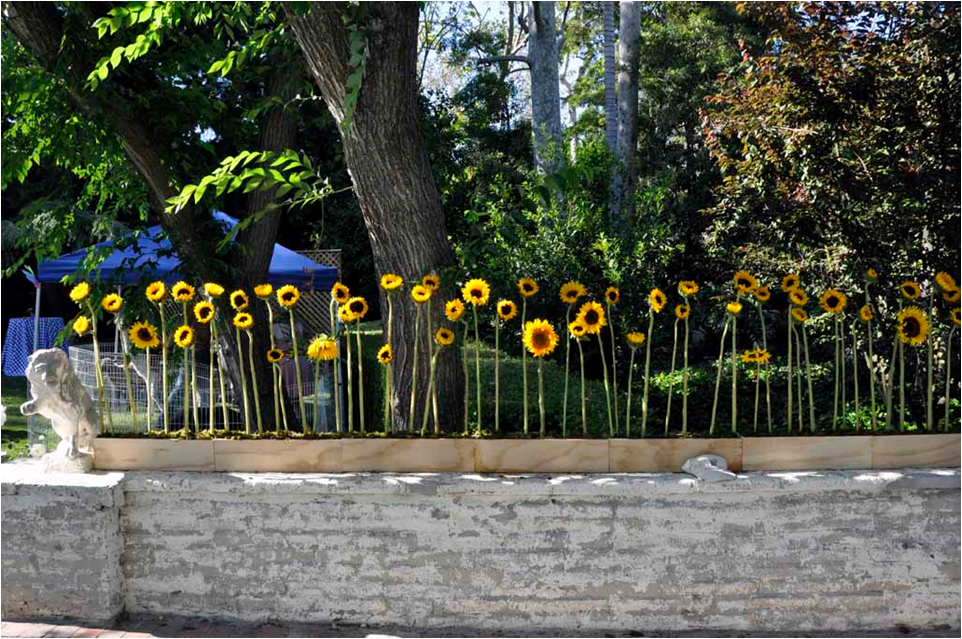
<point>916,451</point>
<point>277,456</point>
<point>806,453</point>
<point>114,453</point>
<point>668,455</point>
<point>542,456</point>
<point>408,455</point>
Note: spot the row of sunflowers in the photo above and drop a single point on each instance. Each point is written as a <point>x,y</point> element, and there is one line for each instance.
<point>585,319</point>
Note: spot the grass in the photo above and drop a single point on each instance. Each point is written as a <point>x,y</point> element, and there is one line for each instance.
<point>14,433</point>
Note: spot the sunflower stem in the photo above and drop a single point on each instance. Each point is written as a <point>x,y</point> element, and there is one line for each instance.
<point>427,399</point>
<point>163,350</point>
<point>768,376</point>
<point>317,391</point>
<point>102,403</point>
<point>336,394</point>
<point>871,360</point>
<point>758,372</point>
<point>835,375</point>
<point>644,397</point>
<point>684,384</point>
<point>257,397</point>
<point>858,417</point>
<point>564,408</point>
<point>477,362</point>
<point>240,362</point>
<point>890,383</point>
<point>929,382</point>
<point>789,414</point>
<point>187,395</point>
<point>434,391</point>
<point>467,379</point>
<point>275,371</point>
<point>389,374</point>
<point>798,379</point>
<point>604,368</point>
<point>631,370</point>
<point>671,376</point>
<point>149,393</point>
<point>584,406</point>
<point>614,367</point>
<point>524,364</point>
<point>948,376</point>
<point>360,373</point>
<point>720,364</point>
<point>193,386</point>
<point>210,382</point>
<point>497,375</point>
<point>541,393</point>
<point>808,373</point>
<point>843,413</point>
<point>130,387</point>
<point>734,376</point>
<point>414,365</point>
<point>297,370</point>
<point>901,387</point>
<point>220,380</point>
<point>279,382</point>
<point>350,381</point>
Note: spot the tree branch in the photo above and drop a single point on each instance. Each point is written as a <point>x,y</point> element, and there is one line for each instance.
<point>504,58</point>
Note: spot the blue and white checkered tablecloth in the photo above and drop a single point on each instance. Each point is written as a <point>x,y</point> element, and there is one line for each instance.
<point>18,342</point>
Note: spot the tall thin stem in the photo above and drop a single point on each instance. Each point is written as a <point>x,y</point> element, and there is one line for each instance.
<point>584,406</point>
<point>871,360</point>
<point>220,379</point>
<point>541,393</point>
<point>798,379</point>
<point>720,364</point>
<point>948,376</point>
<point>835,374</point>
<point>929,382</point>
<point>808,373</point>
<point>389,369</point>
<point>275,371</point>
<point>103,404</point>
<point>350,380</point>
<point>336,393</point>
<point>477,362</point>
<point>901,387</point>
<point>257,395</point>
<point>858,416</point>
<point>211,407</point>
<point>564,408</point>
<point>427,399</point>
<point>631,370</point>
<point>524,365</point>
<point>360,373</point>
<point>150,394</point>
<point>434,391</point>
<point>279,381</point>
<point>297,370</point>
<point>734,375</point>
<point>768,375</point>
<point>614,367</point>
<point>671,376</point>
<point>844,377</point>
<point>317,394</point>
<point>186,354</point>
<point>604,368</point>
<point>644,397</point>
<point>789,414</point>
<point>467,380</point>
<point>193,386</point>
<point>130,388</point>
<point>414,365</point>
<point>240,365</point>
<point>497,375</point>
<point>163,372</point>
<point>758,387</point>
<point>684,384</point>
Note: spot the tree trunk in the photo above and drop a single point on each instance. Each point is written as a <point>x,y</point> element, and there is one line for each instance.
<point>629,43</point>
<point>549,153</point>
<point>611,118</point>
<point>389,168</point>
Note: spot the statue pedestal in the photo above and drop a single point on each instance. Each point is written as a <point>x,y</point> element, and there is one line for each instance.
<point>59,461</point>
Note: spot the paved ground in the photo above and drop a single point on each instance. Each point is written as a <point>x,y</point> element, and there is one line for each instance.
<point>152,626</point>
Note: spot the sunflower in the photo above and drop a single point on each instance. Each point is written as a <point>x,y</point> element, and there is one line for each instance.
<point>865,314</point>
<point>476,292</point>
<point>745,282</point>
<point>389,282</point>
<point>184,336</point>
<point>143,335</point>
<point>572,291</point>
<point>156,291</point>
<point>913,325</point>
<point>182,291</point>
<point>420,293</point>
<point>798,297</point>
<point>657,300</point>
<point>358,306</point>
<point>612,295</point>
<point>384,354</point>
<point>204,312</point>
<point>322,348</point>
<point>342,293</point>
<point>833,301</point>
<point>748,357</point>
<point>527,286</point>
<point>790,282</point>
<point>345,314</point>
<point>592,315</point>
<point>763,293</point>
<point>507,310</point>
<point>762,356</point>
<point>954,314</point>
<point>275,355</point>
<point>239,300</point>
<point>243,321</point>
<point>734,307</point>
<point>910,290</point>
<point>800,314</point>
<point>454,309</point>
<point>214,290</point>
<point>80,292</point>
<point>112,303</point>
<point>263,291</point>
<point>871,275</point>
<point>635,339</point>
<point>687,288</point>
<point>432,281</point>
<point>577,328</point>
<point>540,337</point>
<point>81,325</point>
<point>287,296</point>
<point>945,281</point>
<point>952,297</point>
<point>682,311</point>
<point>444,336</point>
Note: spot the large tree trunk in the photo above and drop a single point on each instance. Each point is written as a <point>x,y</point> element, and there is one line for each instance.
<point>392,178</point>
<point>549,153</point>
<point>629,43</point>
<point>611,118</point>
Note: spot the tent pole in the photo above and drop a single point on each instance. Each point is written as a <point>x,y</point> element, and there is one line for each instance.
<point>116,325</point>
<point>36,318</point>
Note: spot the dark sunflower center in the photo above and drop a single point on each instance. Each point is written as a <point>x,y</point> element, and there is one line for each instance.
<point>911,327</point>
<point>526,286</point>
<point>743,282</point>
<point>591,317</point>
<point>832,301</point>
<point>143,335</point>
<point>357,307</point>
<point>571,294</point>
<point>540,340</point>
<point>612,296</point>
<point>204,312</point>
<point>476,292</point>
<point>287,297</point>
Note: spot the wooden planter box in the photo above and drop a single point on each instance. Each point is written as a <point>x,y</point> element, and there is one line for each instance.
<point>526,455</point>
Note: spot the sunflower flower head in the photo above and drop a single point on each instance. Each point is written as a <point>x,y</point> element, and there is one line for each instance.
<point>263,291</point>
<point>444,336</point>
<point>391,282</point>
<point>952,296</point>
<point>910,290</point>
<point>748,357</point>
<point>239,300</point>
<point>182,291</point>
<point>612,295</point>
<point>213,289</point>
<point>577,329</point>
<point>420,293</point>
<point>342,293</point>
<point>156,292</point>
<point>476,292</point>
<point>431,281</point>
<point>453,310</point>
<point>507,310</point>
<point>865,314</point>
<point>345,314</point>
<point>763,294</point>
<point>243,321</point>
<point>800,314</point>
<point>275,355</point>
<point>945,281</point>
<point>592,315</point>
<point>385,355</point>
<point>204,312</point>
<point>572,291</point>
<point>81,325</point>
<point>657,300</point>
<point>871,276</point>
<point>527,287</point>
<point>322,348</point>
<point>184,336</point>
<point>358,307</point>
<point>287,296</point>
<point>734,307</point>
<point>112,303</point>
<point>682,311</point>
<point>954,314</point>
<point>687,288</point>
<point>143,335</point>
<point>540,337</point>
<point>762,356</point>
<point>745,282</point>
<point>833,301</point>
<point>80,292</point>
<point>790,282</point>
<point>635,339</point>
<point>913,326</point>
<point>798,297</point>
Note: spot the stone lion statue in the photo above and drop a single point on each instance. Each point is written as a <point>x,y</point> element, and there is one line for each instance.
<point>59,396</point>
